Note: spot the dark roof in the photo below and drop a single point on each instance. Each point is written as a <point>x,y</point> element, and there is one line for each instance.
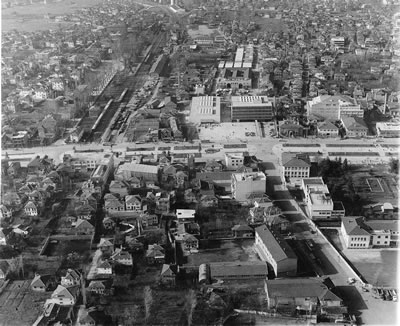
<point>299,288</point>
<point>277,246</point>
<point>221,269</point>
<point>392,225</point>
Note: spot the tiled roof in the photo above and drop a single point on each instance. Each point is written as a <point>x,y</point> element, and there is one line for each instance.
<point>355,226</point>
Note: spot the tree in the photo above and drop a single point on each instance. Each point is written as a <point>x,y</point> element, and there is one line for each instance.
<point>148,302</point>
<point>394,166</point>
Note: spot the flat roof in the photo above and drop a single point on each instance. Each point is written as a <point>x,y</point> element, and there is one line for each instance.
<point>135,167</point>
<point>249,175</point>
<point>205,108</point>
<point>244,101</point>
<point>313,181</point>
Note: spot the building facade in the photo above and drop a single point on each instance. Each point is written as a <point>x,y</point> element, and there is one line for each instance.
<point>251,108</point>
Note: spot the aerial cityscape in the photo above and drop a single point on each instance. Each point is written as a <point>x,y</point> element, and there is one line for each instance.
<point>199,162</point>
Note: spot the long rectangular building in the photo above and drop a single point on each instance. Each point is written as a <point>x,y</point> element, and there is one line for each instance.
<point>251,108</point>
<point>273,248</point>
<point>205,109</point>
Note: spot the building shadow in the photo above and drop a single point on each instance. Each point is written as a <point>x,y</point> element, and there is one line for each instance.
<point>351,298</point>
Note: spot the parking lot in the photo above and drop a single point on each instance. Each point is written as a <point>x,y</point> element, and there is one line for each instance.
<point>227,131</point>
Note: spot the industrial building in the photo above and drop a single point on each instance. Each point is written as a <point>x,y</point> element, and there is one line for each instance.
<point>252,108</point>
<point>273,248</point>
<point>334,107</point>
<point>141,171</point>
<point>205,109</point>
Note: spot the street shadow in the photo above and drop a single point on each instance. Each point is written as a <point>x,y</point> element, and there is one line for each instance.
<point>351,298</point>
<point>285,206</point>
<point>267,166</point>
<point>324,263</point>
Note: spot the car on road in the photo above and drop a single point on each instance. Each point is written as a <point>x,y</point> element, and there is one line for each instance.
<point>351,280</point>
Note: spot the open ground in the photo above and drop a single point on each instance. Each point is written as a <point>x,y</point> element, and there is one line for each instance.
<point>31,17</point>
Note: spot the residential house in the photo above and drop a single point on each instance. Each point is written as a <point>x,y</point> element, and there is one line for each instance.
<point>104,268</point>
<point>5,212</point>
<point>133,203</point>
<point>181,179</point>
<point>242,231</point>
<point>207,198</point>
<point>12,199</point>
<point>380,211</point>
<point>83,227</point>
<point>119,187</point>
<point>212,166</point>
<point>43,283</point>
<point>113,204</point>
<point>65,296</point>
<point>71,278</point>
<point>168,274</point>
<point>134,182</point>
<point>327,129</point>
<point>108,223</point>
<point>162,201</point>
<point>105,246</point>
<point>31,209</point>
<point>190,196</point>
<point>168,172</point>
<point>97,287</point>
<point>274,249</point>
<point>14,169</point>
<point>155,254</point>
<point>188,241</point>
<point>233,160</point>
<point>122,257</point>
<point>4,269</point>
<point>85,212</point>
<point>149,220</point>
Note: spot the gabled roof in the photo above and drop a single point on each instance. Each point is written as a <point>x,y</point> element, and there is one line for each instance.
<point>132,199</point>
<point>327,125</point>
<point>30,205</point>
<point>104,264</point>
<point>62,291</point>
<point>168,270</point>
<point>277,246</point>
<point>40,280</point>
<point>294,160</point>
<point>239,227</point>
<point>104,243</point>
<point>96,284</point>
<point>83,224</point>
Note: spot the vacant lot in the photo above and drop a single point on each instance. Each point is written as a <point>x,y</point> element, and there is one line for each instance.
<point>378,266</point>
<point>20,306</point>
<point>31,17</point>
<point>217,251</point>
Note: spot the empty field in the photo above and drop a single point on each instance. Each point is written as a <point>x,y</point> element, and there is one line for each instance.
<point>19,306</point>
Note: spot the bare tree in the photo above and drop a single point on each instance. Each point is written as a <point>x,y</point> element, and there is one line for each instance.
<point>148,302</point>
<point>191,302</point>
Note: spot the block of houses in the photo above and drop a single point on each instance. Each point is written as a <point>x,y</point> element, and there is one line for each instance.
<point>273,248</point>
<point>155,254</point>
<point>212,166</point>
<point>295,167</point>
<point>65,296</point>
<point>113,205</point>
<point>309,295</point>
<point>71,278</point>
<point>43,283</point>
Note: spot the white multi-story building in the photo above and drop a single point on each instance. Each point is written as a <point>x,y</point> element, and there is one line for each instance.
<point>233,160</point>
<point>295,167</point>
<point>361,234</point>
<point>317,198</point>
<point>334,107</point>
<point>245,184</point>
<point>388,129</point>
